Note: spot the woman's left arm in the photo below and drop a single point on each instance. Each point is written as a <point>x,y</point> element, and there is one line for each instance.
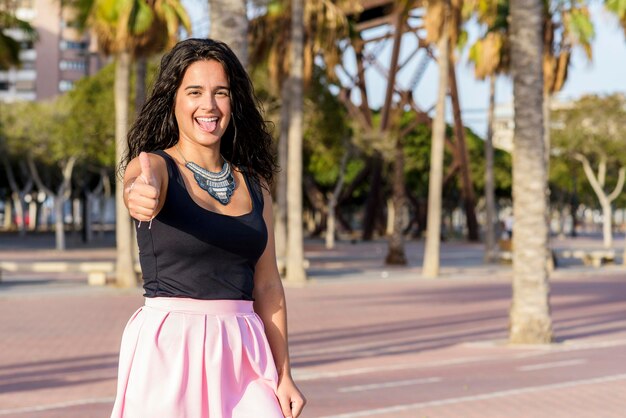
<point>270,305</point>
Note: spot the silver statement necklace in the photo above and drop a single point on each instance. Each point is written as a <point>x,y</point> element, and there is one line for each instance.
<point>219,185</point>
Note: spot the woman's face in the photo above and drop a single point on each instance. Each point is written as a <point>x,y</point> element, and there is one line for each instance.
<point>202,104</point>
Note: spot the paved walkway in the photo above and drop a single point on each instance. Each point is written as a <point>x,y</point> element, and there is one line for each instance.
<point>365,340</point>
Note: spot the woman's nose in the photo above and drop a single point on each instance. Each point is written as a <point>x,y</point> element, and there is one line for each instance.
<point>208,102</point>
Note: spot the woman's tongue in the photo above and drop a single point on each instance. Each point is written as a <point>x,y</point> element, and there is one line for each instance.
<point>206,125</point>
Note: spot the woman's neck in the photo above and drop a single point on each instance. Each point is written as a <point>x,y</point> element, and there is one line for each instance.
<point>206,157</point>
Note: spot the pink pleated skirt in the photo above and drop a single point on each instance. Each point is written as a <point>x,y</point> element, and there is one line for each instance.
<point>189,358</point>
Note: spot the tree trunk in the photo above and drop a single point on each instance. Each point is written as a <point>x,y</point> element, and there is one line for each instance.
<point>105,196</point>
<point>395,254</point>
<point>229,24</point>
<point>530,321</point>
<point>490,199</point>
<point>87,221</point>
<point>141,69</point>
<point>467,187</point>
<point>334,197</point>
<point>374,200</point>
<point>435,182</point>
<point>8,214</point>
<point>607,225</point>
<point>280,226</point>
<point>125,271</point>
<point>59,224</point>
<point>63,193</point>
<point>295,257</point>
<point>17,196</point>
<point>18,203</point>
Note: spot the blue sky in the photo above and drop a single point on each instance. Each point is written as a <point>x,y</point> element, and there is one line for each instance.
<point>605,74</point>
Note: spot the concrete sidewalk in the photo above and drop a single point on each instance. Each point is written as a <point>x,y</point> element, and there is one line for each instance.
<point>365,340</point>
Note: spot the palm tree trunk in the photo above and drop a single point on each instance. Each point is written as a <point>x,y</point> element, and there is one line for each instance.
<point>466,180</point>
<point>435,181</point>
<point>141,69</point>
<point>395,254</point>
<point>295,257</point>
<point>490,200</point>
<point>374,200</point>
<point>229,24</point>
<point>125,272</point>
<point>530,321</point>
<point>280,226</point>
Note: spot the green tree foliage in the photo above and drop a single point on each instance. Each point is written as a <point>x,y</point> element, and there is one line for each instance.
<point>595,127</point>
<point>90,119</point>
<point>326,127</point>
<point>619,8</point>
<point>417,155</point>
<point>80,123</point>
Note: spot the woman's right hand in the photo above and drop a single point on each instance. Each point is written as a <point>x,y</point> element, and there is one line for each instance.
<point>142,198</point>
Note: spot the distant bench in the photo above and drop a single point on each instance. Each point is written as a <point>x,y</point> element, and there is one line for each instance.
<point>97,271</point>
<point>594,258</point>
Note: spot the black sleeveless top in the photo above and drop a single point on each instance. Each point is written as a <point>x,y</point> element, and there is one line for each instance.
<point>196,253</point>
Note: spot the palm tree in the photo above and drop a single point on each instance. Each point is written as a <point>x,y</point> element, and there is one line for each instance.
<point>619,8</point>
<point>229,23</point>
<point>490,56</point>
<point>530,312</point>
<point>435,180</point>
<point>442,23</point>
<point>295,254</point>
<point>125,29</point>
<point>324,24</point>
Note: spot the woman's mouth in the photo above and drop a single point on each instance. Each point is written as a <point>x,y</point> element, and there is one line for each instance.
<point>208,124</point>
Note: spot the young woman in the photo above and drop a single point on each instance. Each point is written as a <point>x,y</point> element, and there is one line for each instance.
<point>211,339</point>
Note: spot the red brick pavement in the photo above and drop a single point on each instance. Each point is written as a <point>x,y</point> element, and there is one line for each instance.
<point>362,345</point>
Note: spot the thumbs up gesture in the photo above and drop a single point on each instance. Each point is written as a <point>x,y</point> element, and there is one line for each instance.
<point>143,192</point>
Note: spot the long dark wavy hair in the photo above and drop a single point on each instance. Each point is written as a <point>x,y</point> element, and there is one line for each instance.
<point>247,142</point>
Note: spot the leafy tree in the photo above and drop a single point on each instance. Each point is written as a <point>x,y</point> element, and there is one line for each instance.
<point>592,133</point>
<point>47,148</point>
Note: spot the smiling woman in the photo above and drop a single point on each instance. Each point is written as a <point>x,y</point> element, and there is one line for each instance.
<point>211,340</point>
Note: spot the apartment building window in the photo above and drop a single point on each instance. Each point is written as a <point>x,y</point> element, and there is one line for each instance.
<point>25,85</point>
<point>65,85</point>
<point>27,44</point>
<point>27,65</point>
<point>4,85</point>
<point>65,45</point>
<point>72,65</point>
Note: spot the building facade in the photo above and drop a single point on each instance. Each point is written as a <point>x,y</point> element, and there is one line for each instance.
<point>51,65</point>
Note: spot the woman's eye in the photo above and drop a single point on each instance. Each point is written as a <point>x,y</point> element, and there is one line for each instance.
<point>222,93</point>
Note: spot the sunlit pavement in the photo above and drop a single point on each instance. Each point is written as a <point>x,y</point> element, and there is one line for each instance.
<point>366,340</point>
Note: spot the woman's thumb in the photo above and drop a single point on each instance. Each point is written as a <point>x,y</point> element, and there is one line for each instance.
<point>146,169</point>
